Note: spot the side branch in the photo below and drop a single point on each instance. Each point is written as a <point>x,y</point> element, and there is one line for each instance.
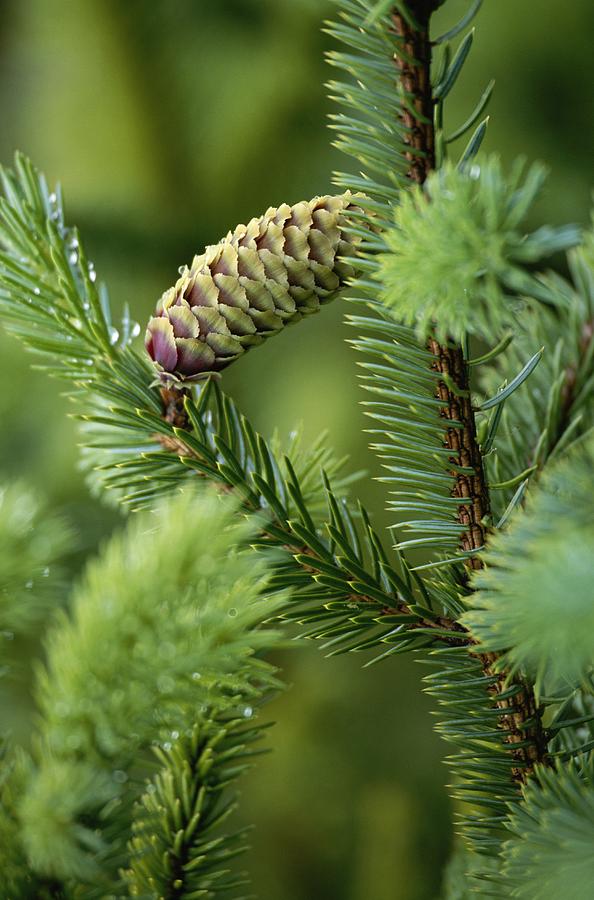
<point>307,556</point>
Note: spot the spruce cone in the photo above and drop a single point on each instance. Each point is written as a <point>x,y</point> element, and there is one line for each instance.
<point>260,277</point>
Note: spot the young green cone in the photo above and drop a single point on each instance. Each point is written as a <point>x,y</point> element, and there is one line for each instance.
<point>260,277</point>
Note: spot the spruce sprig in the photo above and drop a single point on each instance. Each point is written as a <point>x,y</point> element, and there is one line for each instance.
<point>165,632</point>
<point>178,848</point>
<point>534,597</point>
<point>457,258</point>
<point>444,417</point>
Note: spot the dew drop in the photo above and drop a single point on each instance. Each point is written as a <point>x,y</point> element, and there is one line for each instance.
<point>182,269</point>
<point>196,676</point>
<point>29,584</point>
<point>232,612</point>
<point>46,572</point>
<point>135,330</point>
<point>174,735</point>
<point>167,745</point>
<point>248,712</point>
<point>73,258</point>
<point>36,291</point>
<point>120,776</point>
<point>114,335</point>
<point>92,275</point>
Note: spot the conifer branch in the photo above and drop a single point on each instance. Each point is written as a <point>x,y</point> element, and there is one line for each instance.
<point>165,637</point>
<point>178,849</point>
<point>130,422</point>
<point>413,63</point>
<point>520,716</point>
<point>555,405</point>
<point>148,438</point>
<point>347,564</point>
<point>549,854</point>
<point>462,440</point>
<point>571,381</point>
<point>454,389</point>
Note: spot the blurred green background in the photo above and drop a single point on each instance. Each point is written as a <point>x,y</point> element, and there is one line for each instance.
<point>167,122</point>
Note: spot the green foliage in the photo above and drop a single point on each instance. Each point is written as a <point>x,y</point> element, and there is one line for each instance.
<point>409,441</point>
<point>459,878</point>
<point>307,462</point>
<point>369,124</point>
<point>162,647</point>
<point>49,295</point>
<point>164,631</point>
<point>52,301</point>
<point>170,607</point>
<point>33,544</point>
<point>401,375</point>
<point>554,408</point>
<point>16,880</point>
<point>140,455</point>
<point>534,598</point>
<point>550,854</point>
<point>61,797</point>
<point>480,761</point>
<point>177,848</point>
<point>457,254</point>
<point>457,262</point>
<point>32,575</point>
<point>408,432</point>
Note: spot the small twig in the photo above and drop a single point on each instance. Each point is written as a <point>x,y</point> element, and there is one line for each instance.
<point>174,410</point>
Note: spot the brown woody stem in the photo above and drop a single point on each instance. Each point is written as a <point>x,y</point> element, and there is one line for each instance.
<point>460,437</point>
<point>174,410</point>
<point>520,716</point>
